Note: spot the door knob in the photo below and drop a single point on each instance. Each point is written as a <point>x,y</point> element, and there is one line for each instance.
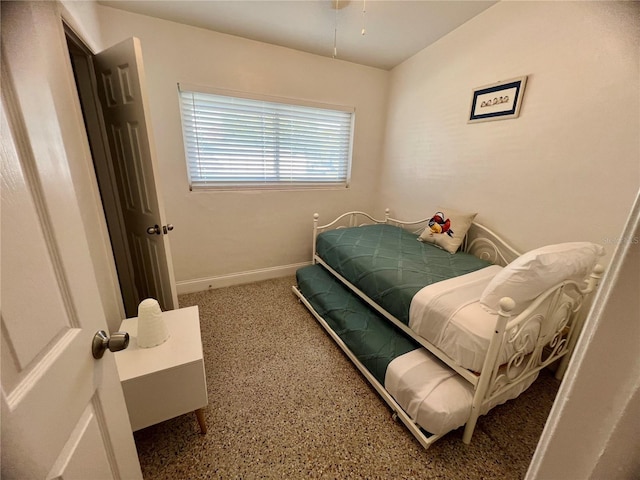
<point>118,341</point>
<point>167,228</point>
<point>155,229</point>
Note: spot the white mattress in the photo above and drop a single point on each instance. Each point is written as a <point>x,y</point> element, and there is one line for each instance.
<point>449,315</point>
<point>434,396</point>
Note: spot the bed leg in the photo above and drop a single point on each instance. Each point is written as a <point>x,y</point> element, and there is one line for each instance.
<point>469,428</point>
<point>315,234</point>
<point>562,367</point>
<point>506,307</point>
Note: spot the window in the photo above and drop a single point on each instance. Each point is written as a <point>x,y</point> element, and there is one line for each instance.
<point>236,140</point>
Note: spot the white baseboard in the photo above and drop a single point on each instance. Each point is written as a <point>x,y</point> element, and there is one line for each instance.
<point>200,284</point>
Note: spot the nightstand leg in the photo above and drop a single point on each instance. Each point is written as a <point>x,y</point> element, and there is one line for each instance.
<point>200,416</point>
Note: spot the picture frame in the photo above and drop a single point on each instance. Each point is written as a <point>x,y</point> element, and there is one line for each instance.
<point>498,101</point>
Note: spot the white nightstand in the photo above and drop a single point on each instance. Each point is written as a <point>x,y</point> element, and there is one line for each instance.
<point>168,380</point>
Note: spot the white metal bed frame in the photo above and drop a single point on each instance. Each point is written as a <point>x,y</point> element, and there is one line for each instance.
<point>558,311</point>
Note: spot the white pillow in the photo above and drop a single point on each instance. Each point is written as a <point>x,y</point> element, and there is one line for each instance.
<point>538,270</point>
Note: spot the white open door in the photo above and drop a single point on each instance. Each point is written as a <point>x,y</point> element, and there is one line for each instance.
<point>121,88</point>
<point>63,412</point>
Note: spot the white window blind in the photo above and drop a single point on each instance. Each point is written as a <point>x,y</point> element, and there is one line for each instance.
<point>237,142</point>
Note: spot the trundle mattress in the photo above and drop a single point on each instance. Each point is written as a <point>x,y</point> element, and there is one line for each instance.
<point>433,395</point>
<point>372,339</point>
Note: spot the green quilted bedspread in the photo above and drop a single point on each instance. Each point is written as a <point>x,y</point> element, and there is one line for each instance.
<point>389,264</point>
<point>372,339</point>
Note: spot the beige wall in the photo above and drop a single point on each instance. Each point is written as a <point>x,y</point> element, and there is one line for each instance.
<point>224,233</point>
<point>83,19</point>
<point>592,431</point>
<point>568,168</point>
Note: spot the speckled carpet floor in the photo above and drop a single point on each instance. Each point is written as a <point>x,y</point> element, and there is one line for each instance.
<point>286,403</point>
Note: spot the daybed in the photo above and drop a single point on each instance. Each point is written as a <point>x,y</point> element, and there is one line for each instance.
<point>445,319</point>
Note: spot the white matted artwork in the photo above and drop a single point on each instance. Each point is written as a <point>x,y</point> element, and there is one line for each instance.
<point>497,101</point>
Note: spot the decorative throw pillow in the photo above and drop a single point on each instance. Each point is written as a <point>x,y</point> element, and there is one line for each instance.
<point>447,229</point>
<point>538,270</point>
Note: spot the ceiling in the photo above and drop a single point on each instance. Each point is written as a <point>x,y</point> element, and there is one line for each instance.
<point>394,29</point>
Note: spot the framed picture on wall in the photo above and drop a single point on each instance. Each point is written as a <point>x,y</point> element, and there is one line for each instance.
<point>498,101</point>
